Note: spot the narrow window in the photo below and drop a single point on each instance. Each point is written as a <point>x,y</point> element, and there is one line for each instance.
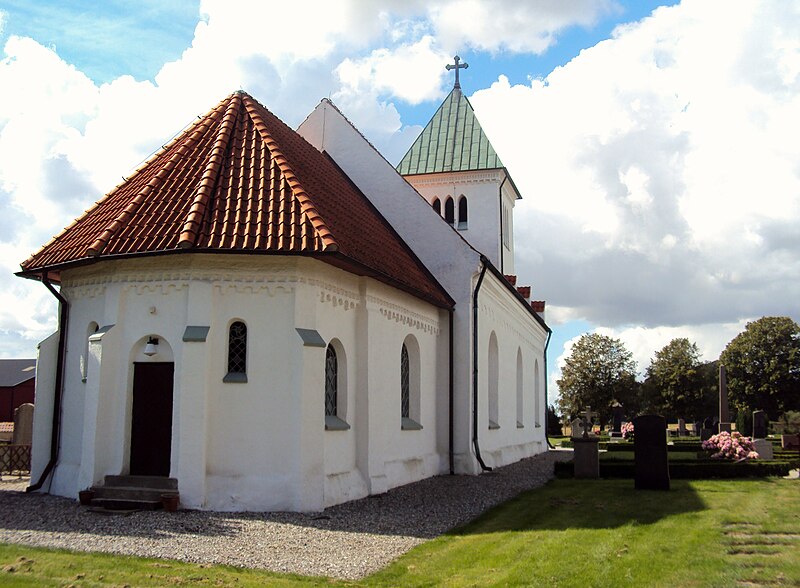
<point>331,381</point>
<point>237,353</point>
<point>405,393</point>
<point>537,401</point>
<point>462,212</point>
<point>410,385</point>
<point>84,363</point>
<point>494,383</point>
<point>437,206</point>
<point>520,380</point>
<point>449,213</point>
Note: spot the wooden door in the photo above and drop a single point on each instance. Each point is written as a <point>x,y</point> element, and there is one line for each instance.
<point>151,419</point>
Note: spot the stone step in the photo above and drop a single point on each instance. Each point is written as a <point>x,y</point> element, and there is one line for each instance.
<point>124,504</point>
<point>129,493</point>
<point>149,482</point>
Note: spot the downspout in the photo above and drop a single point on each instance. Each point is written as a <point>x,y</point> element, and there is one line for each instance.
<point>55,435</point>
<point>500,195</point>
<point>484,467</point>
<point>450,396</point>
<point>546,343</point>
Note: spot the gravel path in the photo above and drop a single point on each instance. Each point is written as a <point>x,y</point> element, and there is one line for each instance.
<point>347,541</point>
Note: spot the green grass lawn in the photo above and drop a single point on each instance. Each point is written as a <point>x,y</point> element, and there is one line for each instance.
<point>570,533</point>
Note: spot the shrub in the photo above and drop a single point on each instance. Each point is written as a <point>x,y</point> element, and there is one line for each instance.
<point>730,446</point>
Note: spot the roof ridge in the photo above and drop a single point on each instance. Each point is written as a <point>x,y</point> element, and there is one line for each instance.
<point>96,248</point>
<point>208,180</point>
<point>306,204</point>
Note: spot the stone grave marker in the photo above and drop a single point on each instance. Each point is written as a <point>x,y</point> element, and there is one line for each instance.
<point>651,465</point>
<point>724,414</point>
<point>698,426</point>
<point>709,429</point>
<point>23,424</point>
<point>617,412</point>
<point>576,428</point>
<point>586,457</point>
<point>682,432</point>
<point>762,446</point>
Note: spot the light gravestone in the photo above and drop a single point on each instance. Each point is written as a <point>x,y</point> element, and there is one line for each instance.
<point>23,424</point>
<point>651,465</point>
<point>760,442</point>
<point>575,429</point>
<point>724,414</point>
<point>586,458</point>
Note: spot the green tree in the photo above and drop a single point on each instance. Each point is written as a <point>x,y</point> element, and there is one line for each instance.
<point>599,371</point>
<point>763,366</point>
<point>676,379</point>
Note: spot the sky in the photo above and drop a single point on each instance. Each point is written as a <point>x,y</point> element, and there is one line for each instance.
<point>654,144</point>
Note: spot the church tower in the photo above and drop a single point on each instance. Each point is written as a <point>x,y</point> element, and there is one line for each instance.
<point>454,166</point>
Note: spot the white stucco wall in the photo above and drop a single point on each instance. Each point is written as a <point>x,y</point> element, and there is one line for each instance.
<point>261,444</point>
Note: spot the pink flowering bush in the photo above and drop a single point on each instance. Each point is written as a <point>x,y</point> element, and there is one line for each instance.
<point>730,446</point>
<point>627,431</point>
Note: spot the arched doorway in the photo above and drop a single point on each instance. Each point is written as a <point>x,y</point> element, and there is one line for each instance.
<point>151,418</point>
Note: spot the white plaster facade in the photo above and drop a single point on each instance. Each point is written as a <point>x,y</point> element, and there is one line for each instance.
<point>259,445</point>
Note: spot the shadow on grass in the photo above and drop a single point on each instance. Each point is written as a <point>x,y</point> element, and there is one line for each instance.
<point>586,504</point>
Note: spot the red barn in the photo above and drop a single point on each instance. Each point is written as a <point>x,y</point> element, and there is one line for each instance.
<point>17,385</point>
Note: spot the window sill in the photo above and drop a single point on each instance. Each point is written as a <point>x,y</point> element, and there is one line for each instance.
<point>334,423</point>
<point>520,425</point>
<point>493,425</point>
<point>407,424</point>
<point>235,378</point>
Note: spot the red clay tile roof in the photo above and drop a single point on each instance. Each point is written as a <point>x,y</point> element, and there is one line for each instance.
<point>240,180</point>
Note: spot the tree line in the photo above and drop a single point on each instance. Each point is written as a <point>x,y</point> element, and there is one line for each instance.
<point>762,363</point>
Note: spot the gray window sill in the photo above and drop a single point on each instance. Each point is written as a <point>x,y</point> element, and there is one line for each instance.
<point>235,378</point>
<point>493,425</point>
<point>334,423</point>
<point>407,424</point>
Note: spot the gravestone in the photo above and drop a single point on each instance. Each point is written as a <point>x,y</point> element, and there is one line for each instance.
<point>698,425</point>
<point>651,466</point>
<point>682,432</point>
<point>575,429</point>
<point>708,430</point>
<point>586,456</point>
<point>762,446</point>
<point>724,414</point>
<point>617,412</point>
<point>760,424</point>
<point>23,424</point>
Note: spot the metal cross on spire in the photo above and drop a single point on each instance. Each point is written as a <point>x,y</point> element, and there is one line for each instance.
<point>457,67</point>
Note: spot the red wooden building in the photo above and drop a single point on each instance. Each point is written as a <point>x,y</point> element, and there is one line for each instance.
<point>17,385</point>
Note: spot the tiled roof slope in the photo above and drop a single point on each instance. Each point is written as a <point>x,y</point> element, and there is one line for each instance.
<point>453,140</point>
<point>240,180</point>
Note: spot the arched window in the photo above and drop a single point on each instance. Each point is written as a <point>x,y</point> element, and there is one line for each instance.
<point>520,380</point>
<point>237,353</point>
<point>84,364</point>
<point>437,206</point>
<point>537,403</point>
<point>335,387</point>
<point>449,213</point>
<point>405,385</point>
<point>409,385</point>
<point>462,212</point>
<point>331,381</point>
<point>494,382</point>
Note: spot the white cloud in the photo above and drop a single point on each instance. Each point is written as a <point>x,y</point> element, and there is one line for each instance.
<point>510,24</point>
<point>660,171</point>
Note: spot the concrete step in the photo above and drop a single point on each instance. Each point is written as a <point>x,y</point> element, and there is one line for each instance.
<point>149,482</point>
<point>123,504</point>
<point>129,493</point>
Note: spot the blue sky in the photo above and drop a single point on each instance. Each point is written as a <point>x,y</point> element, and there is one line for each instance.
<point>658,170</point>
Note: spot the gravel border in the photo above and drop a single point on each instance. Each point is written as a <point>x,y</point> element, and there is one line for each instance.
<point>347,541</point>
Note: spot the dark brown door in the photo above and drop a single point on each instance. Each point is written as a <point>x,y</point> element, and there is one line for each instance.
<point>151,419</point>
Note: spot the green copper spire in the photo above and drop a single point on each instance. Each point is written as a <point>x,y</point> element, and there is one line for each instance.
<point>453,140</point>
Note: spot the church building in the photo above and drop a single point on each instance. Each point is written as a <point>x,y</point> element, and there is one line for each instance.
<point>278,319</point>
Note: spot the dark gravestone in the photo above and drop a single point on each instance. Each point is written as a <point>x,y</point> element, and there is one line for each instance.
<point>617,412</point>
<point>650,452</point>
<point>760,423</point>
<point>697,426</point>
<point>708,430</point>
